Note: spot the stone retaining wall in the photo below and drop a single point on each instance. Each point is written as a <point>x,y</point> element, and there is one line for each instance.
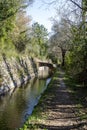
<point>16,72</point>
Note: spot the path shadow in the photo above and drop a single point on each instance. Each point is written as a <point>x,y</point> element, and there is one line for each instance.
<point>60,108</point>
<point>71,127</point>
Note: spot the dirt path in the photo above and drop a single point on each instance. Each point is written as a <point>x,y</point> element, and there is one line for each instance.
<point>59,109</point>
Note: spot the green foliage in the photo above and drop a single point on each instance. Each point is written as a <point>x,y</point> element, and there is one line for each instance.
<point>39,39</point>
<point>15,33</point>
<point>76,61</point>
<point>53,58</point>
<point>20,44</point>
<point>9,10</point>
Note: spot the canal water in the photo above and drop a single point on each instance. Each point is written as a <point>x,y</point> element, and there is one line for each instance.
<point>16,106</point>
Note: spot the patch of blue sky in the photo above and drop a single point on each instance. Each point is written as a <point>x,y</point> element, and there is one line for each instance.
<point>41,13</point>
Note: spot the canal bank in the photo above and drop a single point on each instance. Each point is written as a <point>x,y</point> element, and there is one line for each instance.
<point>57,109</point>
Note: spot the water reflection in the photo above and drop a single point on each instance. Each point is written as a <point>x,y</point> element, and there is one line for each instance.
<point>43,72</point>
<point>15,108</point>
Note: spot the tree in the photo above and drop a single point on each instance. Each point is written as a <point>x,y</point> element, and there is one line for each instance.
<point>61,37</point>
<point>8,12</point>
<point>19,35</point>
<point>39,38</point>
<point>75,13</point>
<point>84,2</point>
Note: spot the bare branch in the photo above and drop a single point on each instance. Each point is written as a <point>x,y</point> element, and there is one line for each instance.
<point>50,3</point>
<point>78,5</point>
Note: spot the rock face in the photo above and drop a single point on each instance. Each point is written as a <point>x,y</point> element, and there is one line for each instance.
<point>15,72</point>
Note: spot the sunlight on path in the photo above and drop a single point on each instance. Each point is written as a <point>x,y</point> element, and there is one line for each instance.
<point>58,111</point>
<point>61,110</point>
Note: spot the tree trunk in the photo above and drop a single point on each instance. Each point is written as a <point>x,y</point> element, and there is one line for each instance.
<point>63,57</point>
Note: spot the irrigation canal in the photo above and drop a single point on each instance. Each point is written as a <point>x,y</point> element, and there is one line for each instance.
<point>16,106</point>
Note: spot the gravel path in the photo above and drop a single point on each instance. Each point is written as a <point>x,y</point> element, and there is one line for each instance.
<point>61,111</point>
<point>58,111</point>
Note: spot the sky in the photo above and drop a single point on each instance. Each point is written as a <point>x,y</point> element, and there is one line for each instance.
<point>41,13</point>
